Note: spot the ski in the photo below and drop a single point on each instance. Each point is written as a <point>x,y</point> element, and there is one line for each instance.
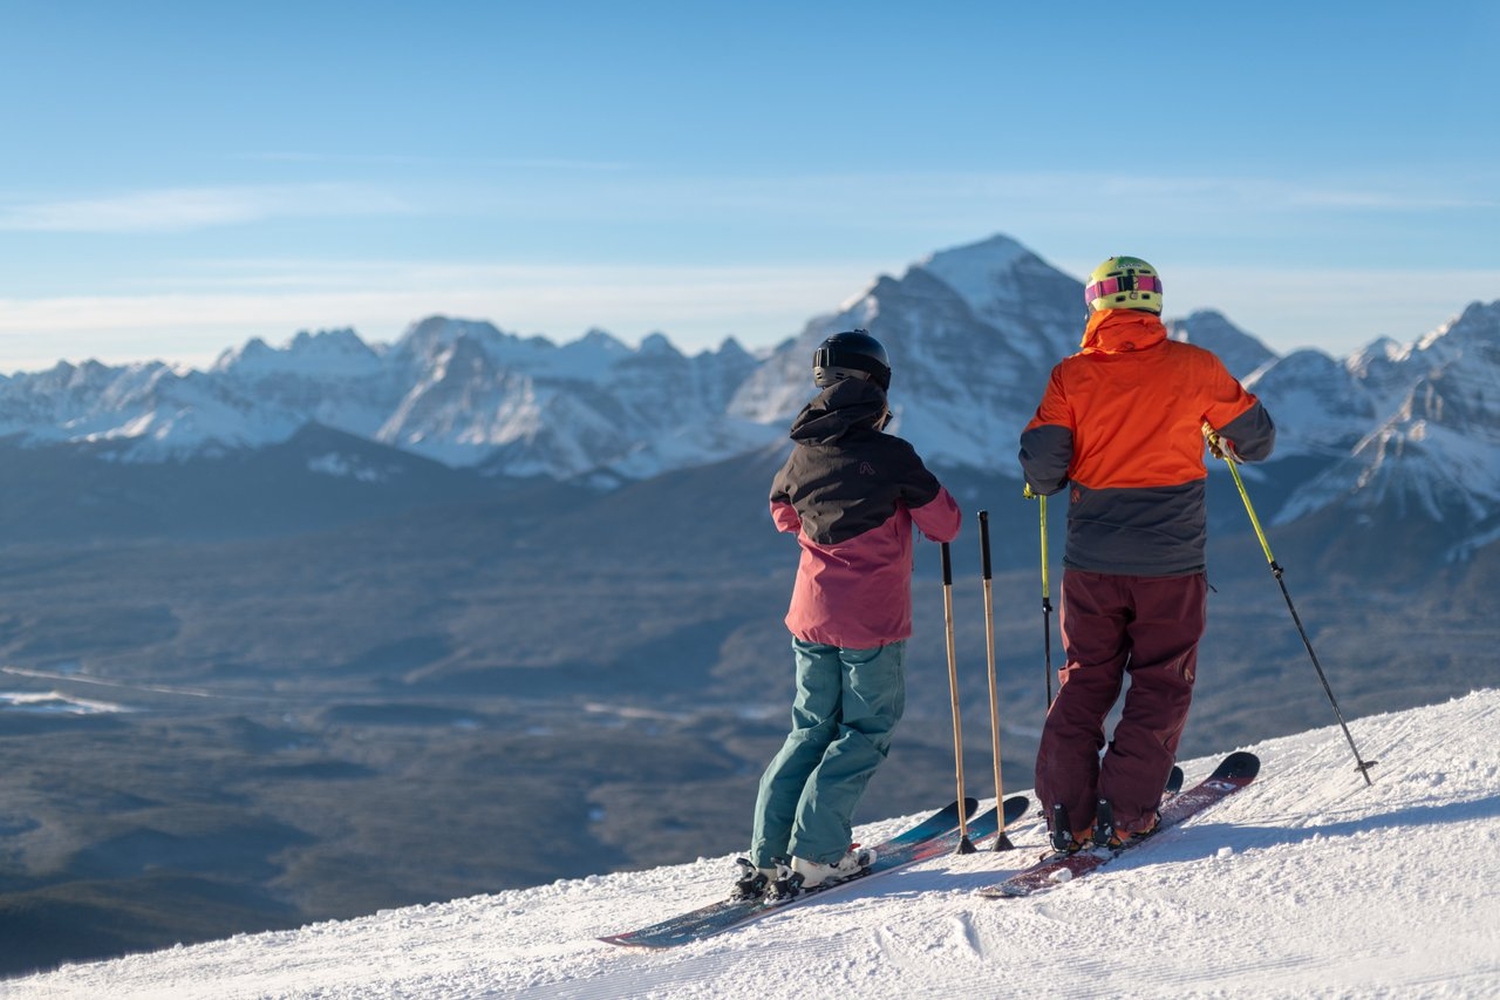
<point>1233,773</point>
<point>935,835</point>
<point>1174,783</point>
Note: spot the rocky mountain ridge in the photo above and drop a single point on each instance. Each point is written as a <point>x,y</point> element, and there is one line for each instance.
<point>972,331</point>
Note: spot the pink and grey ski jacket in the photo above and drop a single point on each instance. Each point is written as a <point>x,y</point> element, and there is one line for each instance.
<point>851,494</point>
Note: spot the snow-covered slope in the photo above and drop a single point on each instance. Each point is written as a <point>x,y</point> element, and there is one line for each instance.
<point>1307,884</point>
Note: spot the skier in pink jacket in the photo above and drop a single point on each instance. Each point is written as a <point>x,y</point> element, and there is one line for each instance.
<point>851,494</point>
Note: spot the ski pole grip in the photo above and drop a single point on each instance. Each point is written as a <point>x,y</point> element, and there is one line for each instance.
<point>984,541</point>
<point>947,567</point>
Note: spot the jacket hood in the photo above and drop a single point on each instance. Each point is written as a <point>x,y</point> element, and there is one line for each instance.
<point>848,404</point>
<point>1120,331</point>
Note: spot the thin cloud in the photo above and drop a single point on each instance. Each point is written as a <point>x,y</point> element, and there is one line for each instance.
<point>405,159</point>
<point>1029,203</point>
<point>1219,195</point>
<point>696,308</point>
<point>180,209</point>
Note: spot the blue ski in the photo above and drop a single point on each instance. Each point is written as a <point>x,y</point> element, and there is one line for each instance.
<point>935,835</point>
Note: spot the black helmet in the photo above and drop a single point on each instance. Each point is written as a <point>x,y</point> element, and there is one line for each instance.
<point>854,354</point>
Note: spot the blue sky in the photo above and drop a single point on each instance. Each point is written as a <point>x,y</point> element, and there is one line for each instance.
<point>179,177</point>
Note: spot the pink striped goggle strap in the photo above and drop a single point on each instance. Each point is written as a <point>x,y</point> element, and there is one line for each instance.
<point>1124,283</point>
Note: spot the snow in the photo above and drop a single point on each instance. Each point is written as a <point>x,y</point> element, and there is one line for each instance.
<point>347,467</point>
<point>54,702</point>
<point>1306,884</point>
<point>978,272</point>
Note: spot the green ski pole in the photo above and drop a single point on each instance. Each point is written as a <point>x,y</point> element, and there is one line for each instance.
<point>1227,454</point>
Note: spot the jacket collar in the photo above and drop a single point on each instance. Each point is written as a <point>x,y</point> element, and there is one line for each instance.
<point>847,405</point>
<point>1120,331</point>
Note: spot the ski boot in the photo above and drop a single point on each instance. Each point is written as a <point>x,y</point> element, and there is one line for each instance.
<point>1107,834</point>
<point>753,882</point>
<point>1061,836</point>
<point>784,887</point>
<point>814,873</point>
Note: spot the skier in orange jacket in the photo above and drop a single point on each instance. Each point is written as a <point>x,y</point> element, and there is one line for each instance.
<point>1121,427</point>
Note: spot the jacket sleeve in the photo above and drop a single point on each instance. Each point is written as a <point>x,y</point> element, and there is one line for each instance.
<point>1239,417</point>
<point>940,518</point>
<point>785,516</point>
<point>931,506</point>
<point>1047,442</point>
<point>783,513</point>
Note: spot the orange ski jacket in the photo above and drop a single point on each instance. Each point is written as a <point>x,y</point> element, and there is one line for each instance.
<point>1122,422</point>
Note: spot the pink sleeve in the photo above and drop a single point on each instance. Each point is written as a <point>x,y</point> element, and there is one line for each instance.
<point>939,519</point>
<point>785,516</point>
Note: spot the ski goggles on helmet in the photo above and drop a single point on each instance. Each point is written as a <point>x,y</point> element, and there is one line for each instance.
<point>1122,283</point>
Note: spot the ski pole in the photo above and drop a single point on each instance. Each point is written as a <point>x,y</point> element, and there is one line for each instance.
<point>1046,589</point>
<point>965,845</point>
<point>1276,571</point>
<point>1002,841</point>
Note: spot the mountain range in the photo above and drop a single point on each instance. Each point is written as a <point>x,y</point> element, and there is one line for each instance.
<point>1402,430</point>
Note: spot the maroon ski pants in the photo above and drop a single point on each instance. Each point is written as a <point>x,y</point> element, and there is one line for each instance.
<point>1147,627</point>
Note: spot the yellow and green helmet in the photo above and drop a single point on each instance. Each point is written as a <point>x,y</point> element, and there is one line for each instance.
<point>1124,283</point>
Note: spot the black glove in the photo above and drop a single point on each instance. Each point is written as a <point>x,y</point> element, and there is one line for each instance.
<point>1031,493</point>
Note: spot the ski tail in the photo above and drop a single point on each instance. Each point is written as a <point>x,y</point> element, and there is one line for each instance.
<point>1239,767</point>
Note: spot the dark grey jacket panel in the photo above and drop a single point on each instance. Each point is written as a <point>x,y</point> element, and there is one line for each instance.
<point>845,477</point>
<point>1252,434</point>
<point>1139,531</point>
<point>1046,451</point>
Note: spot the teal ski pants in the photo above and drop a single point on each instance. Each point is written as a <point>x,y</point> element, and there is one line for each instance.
<point>847,705</point>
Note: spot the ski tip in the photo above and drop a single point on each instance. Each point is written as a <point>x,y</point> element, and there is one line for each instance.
<point>1001,891</point>
<point>1242,765</point>
<point>949,813</point>
<point>630,940</point>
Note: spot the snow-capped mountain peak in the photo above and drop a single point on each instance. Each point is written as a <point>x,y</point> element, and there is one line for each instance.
<point>325,354</point>
<point>983,273</point>
<point>1431,413</point>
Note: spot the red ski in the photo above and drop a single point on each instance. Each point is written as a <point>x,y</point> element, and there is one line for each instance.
<point>1233,773</point>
